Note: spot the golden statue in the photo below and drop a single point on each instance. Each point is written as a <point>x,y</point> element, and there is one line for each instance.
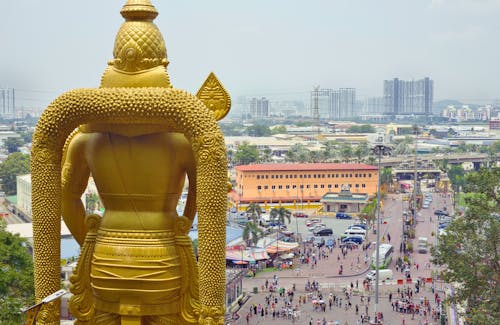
<point>139,138</point>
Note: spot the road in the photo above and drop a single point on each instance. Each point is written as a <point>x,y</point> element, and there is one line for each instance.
<point>7,215</point>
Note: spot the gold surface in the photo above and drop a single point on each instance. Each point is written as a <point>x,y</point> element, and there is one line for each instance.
<point>138,137</point>
<point>215,97</point>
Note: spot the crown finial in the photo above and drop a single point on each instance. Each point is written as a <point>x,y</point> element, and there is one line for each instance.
<point>139,10</point>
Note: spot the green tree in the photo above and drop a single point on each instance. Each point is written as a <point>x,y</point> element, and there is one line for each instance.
<point>346,151</point>
<point>365,128</point>
<point>13,144</point>
<point>330,149</point>
<point>495,147</point>
<point>456,175</point>
<point>246,154</point>
<point>27,136</point>
<point>369,211</point>
<point>92,202</point>
<point>443,165</point>
<point>317,156</point>
<point>254,211</point>
<point>298,153</point>
<point>386,176</point>
<point>16,277</point>
<point>280,129</point>
<point>404,148</point>
<point>258,130</point>
<point>252,233</point>
<point>15,164</point>
<point>279,215</point>
<point>267,155</point>
<point>361,151</point>
<point>231,129</point>
<point>468,251</point>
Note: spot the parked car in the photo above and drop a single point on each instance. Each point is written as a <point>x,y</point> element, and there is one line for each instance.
<point>316,226</point>
<point>440,213</point>
<point>354,238</point>
<point>349,244</point>
<point>422,245</point>
<point>360,225</point>
<point>300,215</point>
<point>310,222</point>
<point>318,241</point>
<point>324,232</point>
<point>330,242</point>
<point>342,215</point>
<point>356,228</point>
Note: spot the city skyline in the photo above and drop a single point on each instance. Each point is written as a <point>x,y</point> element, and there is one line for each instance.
<point>263,49</point>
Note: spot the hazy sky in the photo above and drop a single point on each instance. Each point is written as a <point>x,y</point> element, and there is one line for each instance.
<point>262,47</point>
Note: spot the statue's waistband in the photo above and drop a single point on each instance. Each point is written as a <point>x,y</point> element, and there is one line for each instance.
<point>139,196</point>
<point>140,236</point>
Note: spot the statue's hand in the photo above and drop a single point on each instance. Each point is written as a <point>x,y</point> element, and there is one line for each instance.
<point>182,226</point>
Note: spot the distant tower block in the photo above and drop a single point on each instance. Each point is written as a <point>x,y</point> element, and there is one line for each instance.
<point>315,108</point>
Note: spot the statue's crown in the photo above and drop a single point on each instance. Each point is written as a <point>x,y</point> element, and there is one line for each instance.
<point>139,50</point>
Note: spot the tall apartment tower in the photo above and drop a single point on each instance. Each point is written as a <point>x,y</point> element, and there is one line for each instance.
<point>259,107</point>
<point>7,103</point>
<point>408,97</point>
<point>338,104</point>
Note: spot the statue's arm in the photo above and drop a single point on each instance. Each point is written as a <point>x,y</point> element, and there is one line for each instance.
<point>75,175</point>
<point>190,208</point>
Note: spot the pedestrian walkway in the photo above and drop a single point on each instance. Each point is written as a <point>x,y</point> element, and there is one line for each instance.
<point>335,295</point>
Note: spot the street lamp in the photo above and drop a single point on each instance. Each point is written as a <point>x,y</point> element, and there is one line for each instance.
<point>415,177</point>
<point>379,150</point>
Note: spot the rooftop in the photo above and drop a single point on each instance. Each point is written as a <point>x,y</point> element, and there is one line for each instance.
<point>304,167</point>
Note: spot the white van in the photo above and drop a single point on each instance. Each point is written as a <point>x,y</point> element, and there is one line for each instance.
<point>350,232</point>
<point>422,245</point>
<point>385,274</point>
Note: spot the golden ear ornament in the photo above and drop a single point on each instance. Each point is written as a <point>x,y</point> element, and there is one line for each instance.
<point>215,97</point>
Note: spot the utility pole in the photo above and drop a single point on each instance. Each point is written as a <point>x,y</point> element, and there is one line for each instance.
<point>415,177</point>
<point>379,150</point>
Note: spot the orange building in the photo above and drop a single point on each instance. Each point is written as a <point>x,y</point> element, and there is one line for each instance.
<point>273,183</point>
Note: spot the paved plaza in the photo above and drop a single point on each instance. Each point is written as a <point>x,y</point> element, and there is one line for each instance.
<point>339,296</point>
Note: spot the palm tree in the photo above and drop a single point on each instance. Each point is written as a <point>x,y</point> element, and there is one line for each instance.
<point>254,210</point>
<point>369,211</point>
<point>279,214</point>
<point>386,177</point>
<point>252,233</point>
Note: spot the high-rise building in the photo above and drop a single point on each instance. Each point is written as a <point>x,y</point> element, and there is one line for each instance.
<point>335,103</point>
<point>7,103</point>
<point>347,100</point>
<point>373,105</point>
<point>259,107</point>
<point>403,97</point>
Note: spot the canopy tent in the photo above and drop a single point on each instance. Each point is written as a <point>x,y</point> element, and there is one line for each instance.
<point>281,247</point>
<point>287,256</point>
<point>248,255</point>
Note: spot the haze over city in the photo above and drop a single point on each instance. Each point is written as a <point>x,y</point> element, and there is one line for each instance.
<point>262,48</point>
